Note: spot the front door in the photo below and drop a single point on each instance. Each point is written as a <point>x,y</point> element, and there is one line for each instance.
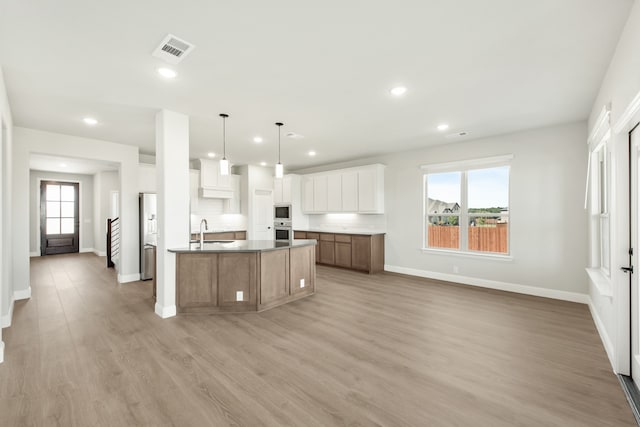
<point>59,219</point>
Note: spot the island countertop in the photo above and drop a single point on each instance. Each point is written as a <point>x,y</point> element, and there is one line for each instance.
<point>240,246</point>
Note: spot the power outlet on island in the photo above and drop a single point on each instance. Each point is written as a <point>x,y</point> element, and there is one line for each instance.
<point>302,283</point>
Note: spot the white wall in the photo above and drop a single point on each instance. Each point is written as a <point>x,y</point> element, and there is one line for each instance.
<point>619,87</point>
<point>548,223</point>
<point>29,141</point>
<point>85,208</point>
<point>104,184</point>
<point>7,294</point>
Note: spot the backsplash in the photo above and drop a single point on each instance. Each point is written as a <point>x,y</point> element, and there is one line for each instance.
<point>213,211</point>
<point>348,221</point>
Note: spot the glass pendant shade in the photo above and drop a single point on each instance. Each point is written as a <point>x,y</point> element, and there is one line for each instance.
<point>279,170</point>
<point>224,167</point>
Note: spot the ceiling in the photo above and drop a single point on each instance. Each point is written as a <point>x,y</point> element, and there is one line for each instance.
<point>48,163</point>
<point>323,68</point>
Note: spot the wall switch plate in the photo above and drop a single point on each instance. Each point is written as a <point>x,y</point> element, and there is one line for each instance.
<point>239,296</point>
<point>302,283</point>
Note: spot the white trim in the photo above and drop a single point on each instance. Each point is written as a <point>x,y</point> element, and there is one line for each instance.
<point>6,319</point>
<point>126,278</point>
<point>629,113</point>
<point>32,254</point>
<point>493,284</point>
<point>1,351</point>
<point>604,336</point>
<point>467,164</point>
<point>85,250</point>
<point>602,123</point>
<point>469,254</point>
<point>99,253</point>
<point>600,281</point>
<point>23,294</point>
<point>165,312</point>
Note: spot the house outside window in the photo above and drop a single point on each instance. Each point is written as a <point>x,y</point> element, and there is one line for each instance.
<point>466,206</point>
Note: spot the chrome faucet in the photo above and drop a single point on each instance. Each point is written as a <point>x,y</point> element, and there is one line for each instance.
<point>206,227</point>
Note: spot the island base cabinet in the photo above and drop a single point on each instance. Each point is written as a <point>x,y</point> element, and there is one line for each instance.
<point>303,270</point>
<point>274,276</point>
<point>237,279</point>
<point>198,274</point>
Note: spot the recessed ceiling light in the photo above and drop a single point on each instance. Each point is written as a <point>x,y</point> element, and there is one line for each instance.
<point>443,127</point>
<point>63,165</point>
<point>398,90</point>
<point>211,154</point>
<point>257,139</point>
<point>90,121</point>
<point>167,73</point>
<point>312,153</point>
<point>263,163</point>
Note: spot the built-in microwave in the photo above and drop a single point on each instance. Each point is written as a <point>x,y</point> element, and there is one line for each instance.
<point>282,212</point>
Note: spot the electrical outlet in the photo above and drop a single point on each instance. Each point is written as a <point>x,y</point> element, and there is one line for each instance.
<point>302,283</point>
<point>456,269</point>
<point>239,296</point>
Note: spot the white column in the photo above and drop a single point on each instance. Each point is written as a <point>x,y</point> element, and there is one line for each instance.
<point>172,169</point>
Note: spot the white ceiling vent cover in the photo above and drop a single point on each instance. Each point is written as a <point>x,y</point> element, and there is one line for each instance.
<point>173,49</point>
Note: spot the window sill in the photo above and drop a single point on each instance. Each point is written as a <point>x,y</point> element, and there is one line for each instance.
<point>476,255</point>
<point>600,281</point>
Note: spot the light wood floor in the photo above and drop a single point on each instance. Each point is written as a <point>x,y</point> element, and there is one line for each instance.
<point>365,350</point>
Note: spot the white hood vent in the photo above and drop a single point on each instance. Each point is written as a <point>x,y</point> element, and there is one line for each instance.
<point>172,49</point>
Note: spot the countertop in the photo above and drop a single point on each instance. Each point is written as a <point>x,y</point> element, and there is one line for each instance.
<point>243,246</point>
<point>219,230</point>
<point>341,231</point>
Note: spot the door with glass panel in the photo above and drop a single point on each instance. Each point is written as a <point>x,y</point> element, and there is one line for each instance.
<point>59,219</point>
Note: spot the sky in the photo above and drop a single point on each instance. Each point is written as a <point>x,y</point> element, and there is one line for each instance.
<point>487,187</point>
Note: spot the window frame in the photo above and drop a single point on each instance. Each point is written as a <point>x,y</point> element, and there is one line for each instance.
<point>464,167</point>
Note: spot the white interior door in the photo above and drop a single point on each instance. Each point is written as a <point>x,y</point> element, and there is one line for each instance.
<point>635,238</point>
<point>263,215</point>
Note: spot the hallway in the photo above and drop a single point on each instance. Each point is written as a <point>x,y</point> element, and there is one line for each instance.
<point>365,350</point>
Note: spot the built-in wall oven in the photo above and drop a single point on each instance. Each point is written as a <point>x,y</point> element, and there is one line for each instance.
<point>283,231</point>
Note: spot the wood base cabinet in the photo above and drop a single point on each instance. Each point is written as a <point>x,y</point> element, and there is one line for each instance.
<point>354,251</point>
<point>242,282</point>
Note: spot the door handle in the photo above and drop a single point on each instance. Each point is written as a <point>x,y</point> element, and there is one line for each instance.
<point>627,269</point>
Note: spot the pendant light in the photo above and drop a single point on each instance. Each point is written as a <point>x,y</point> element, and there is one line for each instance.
<point>279,168</point>
<point>224,163</point>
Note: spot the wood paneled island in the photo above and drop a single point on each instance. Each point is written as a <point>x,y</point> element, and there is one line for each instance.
<point>243,275</point>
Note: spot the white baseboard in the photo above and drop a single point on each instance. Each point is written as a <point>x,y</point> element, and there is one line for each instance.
<point>126,278</point>
<point>493,284</point>
<point>5,320</point>
<point>84,250</point>
<point>99,253</point>
<point>32,254</point>
<point>1,351</point>
<point>165,312</point>
<point>604,336</point>
<point>23,294</point>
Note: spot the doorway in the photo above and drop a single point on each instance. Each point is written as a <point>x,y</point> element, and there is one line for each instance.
<point>59,217</point>
<point>263,215</point>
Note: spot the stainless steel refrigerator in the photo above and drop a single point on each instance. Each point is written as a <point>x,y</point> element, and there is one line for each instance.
<point>148,234</point>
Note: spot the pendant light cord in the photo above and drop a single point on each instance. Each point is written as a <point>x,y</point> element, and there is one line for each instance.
<point>224,135</point>
<point>279,133</point>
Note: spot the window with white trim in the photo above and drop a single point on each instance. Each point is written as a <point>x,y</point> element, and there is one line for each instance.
<point>466,206</point>
<point>600,159</point>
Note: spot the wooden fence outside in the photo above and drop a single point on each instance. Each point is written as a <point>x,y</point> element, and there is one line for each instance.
<point>485,239</point>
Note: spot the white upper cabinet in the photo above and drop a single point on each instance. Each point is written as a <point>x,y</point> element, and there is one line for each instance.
<point>320,193</point>
<point>334,193</point>
<point>284,189</point>
<point>350,191</point>
<point>359,190</point>
<point>307,194</point>
<point>212,184</point>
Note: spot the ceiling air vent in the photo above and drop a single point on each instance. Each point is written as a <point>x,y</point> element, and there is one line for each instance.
<point>172,49</point>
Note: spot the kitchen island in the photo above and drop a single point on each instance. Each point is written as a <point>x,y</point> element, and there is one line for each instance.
<point>243,275</point>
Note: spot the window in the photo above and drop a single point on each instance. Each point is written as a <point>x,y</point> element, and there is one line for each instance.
<point>599,209</point>
<point>60,209</point>
<point>467,206</point>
